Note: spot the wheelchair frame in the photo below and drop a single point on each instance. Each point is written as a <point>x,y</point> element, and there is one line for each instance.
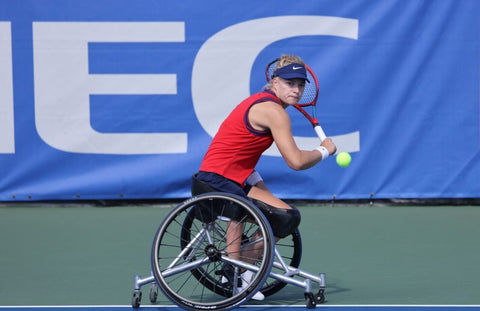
<point>201,243</point>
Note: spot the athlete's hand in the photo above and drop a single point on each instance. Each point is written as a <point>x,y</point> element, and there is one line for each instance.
<point>328,143</point>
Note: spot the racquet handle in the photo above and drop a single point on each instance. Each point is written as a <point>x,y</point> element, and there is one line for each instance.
<point>321,134</point>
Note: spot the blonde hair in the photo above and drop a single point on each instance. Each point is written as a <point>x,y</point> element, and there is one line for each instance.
<point>283,61</point>
<point>286,60</point>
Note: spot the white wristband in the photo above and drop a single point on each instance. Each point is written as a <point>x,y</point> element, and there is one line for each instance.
<point>254,178</point>
<point>324,152</point>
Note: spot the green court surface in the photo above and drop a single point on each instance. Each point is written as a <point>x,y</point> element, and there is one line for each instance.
<point>89,255</point>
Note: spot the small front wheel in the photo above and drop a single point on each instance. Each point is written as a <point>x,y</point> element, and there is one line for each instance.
<point>320,296</point>
<point>136,299</point>
<point>310,301</point>
<point>153,293</point>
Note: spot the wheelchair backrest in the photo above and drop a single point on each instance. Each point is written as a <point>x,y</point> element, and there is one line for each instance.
<point>209,210</point>
<point>200,187</point>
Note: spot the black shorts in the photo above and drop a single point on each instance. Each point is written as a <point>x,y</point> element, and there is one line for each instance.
<point>223,184</point>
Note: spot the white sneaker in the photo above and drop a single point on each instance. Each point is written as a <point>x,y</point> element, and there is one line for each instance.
<point>246,279</point>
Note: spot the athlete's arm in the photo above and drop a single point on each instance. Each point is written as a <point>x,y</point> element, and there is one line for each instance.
<point>272,116</point>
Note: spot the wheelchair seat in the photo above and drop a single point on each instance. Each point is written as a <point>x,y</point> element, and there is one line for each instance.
<point>208,211</point>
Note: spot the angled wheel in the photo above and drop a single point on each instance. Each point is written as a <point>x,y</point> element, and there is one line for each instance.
<point>153,294</point>
<point>310,301</point>
<point>197,241</point>
<point>136,299</point>
<point>320,296</point>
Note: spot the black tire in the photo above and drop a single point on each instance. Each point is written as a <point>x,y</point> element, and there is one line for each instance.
<point>320,296</point>
<point>153,294</point>
<point>310,301</point>
<point>189,249</point>
<point>136,299</point>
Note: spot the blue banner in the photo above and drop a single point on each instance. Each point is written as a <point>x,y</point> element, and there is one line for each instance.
<point>120,99</point>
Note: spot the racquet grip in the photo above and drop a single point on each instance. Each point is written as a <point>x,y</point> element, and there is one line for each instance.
<point>321,134</point>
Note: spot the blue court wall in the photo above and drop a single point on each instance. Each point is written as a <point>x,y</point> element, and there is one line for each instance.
<point>120,99</point>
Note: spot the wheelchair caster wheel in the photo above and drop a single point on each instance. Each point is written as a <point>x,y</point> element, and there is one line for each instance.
<point>311,302</point>
<point>320,296</point>
<point>136,299</point>
<point>153,293</point>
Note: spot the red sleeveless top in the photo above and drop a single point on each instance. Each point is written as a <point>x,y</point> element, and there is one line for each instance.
<point>237,147</point>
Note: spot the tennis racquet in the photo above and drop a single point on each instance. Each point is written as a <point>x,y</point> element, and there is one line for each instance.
<point>309,98</point>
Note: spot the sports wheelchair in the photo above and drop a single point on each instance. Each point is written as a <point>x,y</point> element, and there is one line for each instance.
<point>189,255</point>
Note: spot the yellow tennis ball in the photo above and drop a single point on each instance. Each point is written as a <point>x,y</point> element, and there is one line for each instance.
<point>344,159</point>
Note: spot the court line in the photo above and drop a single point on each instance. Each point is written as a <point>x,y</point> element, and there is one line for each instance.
<point>166,307</point>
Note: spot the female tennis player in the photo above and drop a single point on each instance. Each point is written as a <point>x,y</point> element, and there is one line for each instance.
<point>251,128</point>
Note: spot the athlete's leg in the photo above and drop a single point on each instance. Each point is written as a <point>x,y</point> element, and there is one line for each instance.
<point>260,193</point>
<point>234,243</point>
<point>284,219</point>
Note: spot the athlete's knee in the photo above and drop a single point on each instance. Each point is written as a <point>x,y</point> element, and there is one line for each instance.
<point>282,221</point>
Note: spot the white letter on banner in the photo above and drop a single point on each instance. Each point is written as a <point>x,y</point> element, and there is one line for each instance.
<point>7,131</point>
<point>63,85</point>
<point>236,49</point>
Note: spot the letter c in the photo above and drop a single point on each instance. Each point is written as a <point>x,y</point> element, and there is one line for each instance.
<point>232,52</point>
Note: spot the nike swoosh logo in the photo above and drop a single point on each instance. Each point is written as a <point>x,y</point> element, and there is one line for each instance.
<point>295,68</point>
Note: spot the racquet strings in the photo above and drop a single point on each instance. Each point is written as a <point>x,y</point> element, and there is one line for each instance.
<point>310,93</point>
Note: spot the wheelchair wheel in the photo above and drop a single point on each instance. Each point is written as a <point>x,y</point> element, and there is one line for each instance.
<point>190,252</point>
<point>289,247</point>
